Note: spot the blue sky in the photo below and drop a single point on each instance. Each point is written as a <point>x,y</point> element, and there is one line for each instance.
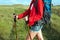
<point>25,2</point>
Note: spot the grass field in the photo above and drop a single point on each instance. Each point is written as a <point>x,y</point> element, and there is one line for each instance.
<point>6,24</point>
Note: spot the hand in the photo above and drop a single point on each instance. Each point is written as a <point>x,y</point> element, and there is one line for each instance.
<point>15,16</point>
<point>26,18</point>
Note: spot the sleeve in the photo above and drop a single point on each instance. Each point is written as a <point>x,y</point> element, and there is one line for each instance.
<point>24,14</point>
<point>27,12</point>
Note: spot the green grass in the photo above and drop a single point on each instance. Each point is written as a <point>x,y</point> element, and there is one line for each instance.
<point>6,24</point>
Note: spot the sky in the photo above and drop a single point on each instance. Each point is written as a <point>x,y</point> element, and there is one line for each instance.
<point>25,2</point>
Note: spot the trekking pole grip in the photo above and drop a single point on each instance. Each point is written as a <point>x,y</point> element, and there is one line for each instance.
<point>14,17</point>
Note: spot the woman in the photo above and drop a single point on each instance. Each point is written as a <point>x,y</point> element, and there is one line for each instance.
<point>35,14</point>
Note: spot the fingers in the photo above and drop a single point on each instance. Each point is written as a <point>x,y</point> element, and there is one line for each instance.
<point>26,18</point>
<point>16,16</point>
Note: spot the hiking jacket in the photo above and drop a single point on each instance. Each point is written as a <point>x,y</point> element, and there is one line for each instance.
<point>35,12</point>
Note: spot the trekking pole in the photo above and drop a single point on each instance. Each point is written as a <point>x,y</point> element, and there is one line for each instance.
<point>28,27</point>
<point>15,26</point>
<point>29,33</point>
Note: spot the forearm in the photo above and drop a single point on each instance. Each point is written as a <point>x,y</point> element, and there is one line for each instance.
<point>23,14</point>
